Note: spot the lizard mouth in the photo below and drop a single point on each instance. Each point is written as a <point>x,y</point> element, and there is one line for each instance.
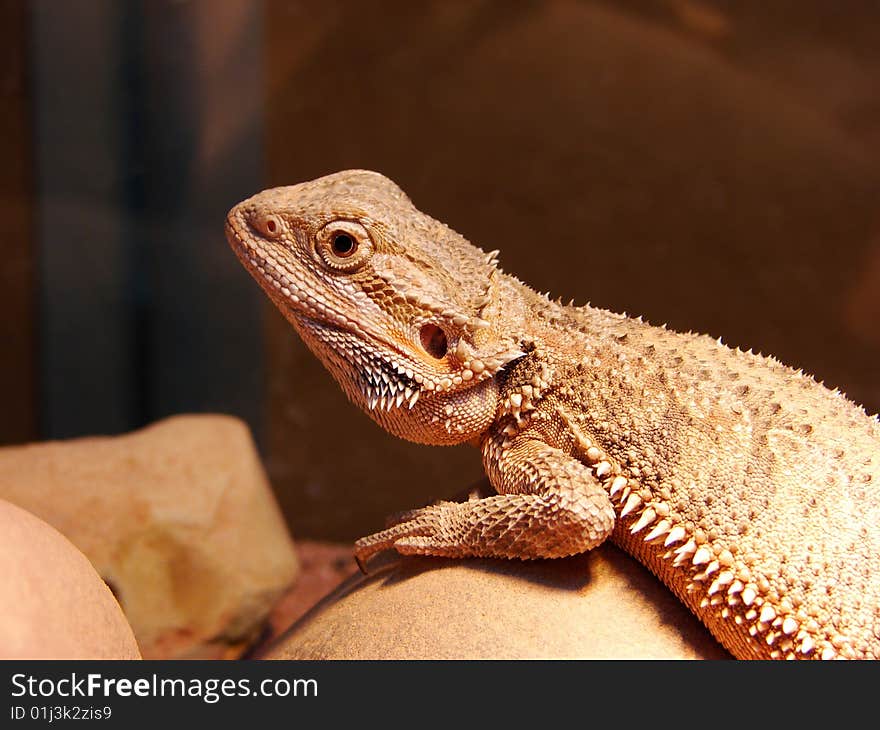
<point>382,374</point>
<point>382,381</point>
<point>285,286</point>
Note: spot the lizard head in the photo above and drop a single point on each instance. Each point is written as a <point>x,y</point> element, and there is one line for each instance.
<point>395,304</point>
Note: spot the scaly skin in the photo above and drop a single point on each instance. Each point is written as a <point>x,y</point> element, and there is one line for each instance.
<point>745,486</point>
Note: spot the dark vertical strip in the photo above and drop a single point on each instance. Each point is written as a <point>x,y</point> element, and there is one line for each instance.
<point>84,327</point>
<point>200,128</point>
<point>18,411</point>
<point>135,164</point>
<point>149,119</point>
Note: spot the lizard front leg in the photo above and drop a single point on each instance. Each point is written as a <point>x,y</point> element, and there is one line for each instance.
<point>549,505</point>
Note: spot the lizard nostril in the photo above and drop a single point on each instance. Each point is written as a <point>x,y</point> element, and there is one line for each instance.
<point>434,341</point>
<point>266,224</point>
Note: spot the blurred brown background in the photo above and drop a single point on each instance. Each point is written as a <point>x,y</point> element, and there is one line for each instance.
<point>712,165</point>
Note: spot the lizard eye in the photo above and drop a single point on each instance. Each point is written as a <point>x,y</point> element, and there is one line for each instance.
<point>343,245</point>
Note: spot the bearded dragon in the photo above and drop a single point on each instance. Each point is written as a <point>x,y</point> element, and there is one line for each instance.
<point>747,487</point>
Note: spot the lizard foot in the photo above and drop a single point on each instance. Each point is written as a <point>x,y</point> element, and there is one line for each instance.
<point>525,526</point>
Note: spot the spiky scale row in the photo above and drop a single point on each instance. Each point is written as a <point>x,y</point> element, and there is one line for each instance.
<point>726,594</point>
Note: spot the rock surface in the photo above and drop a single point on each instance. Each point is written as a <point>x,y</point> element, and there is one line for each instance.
<point>178,518</point>
<point>601,605</point>
<point>323,566</point>
<point>55,606</point>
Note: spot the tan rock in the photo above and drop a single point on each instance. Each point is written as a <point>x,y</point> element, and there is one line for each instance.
<point>178,518</point>
<point>54,604</point>
<point>600,605</point>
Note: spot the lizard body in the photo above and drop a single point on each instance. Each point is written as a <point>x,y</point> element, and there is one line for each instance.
<point>747,487</point>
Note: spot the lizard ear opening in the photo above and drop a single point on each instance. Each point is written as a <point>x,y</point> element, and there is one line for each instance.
<point>434,341</point>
